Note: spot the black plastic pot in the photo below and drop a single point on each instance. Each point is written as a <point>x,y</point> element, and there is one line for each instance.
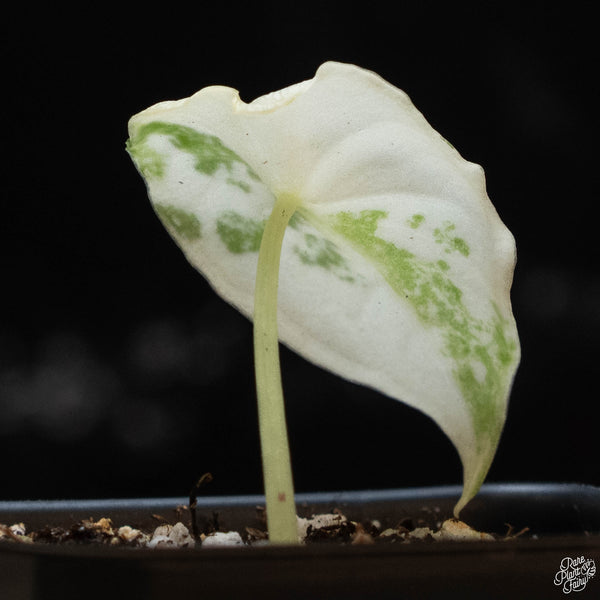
<point>564,520</point>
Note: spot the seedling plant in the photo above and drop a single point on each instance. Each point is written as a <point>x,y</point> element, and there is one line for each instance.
<point>337,219</point>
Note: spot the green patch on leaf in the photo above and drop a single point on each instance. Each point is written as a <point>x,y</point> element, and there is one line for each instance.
<point>481,351</point>
<point>208,151</point>
<point>182,224</point>
<point>150,163</point>
<point>324,253</point>
<point>451,243</point>
<point>239,183</point>
<point>415,221</point>
<point>240,234</point>
<point>496,356</point>
<point>297,221</point>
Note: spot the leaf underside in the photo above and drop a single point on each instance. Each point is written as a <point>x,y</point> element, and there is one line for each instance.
<point>395,269</point>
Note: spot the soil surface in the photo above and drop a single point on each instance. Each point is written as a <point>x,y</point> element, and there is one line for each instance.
<point>332,527</point>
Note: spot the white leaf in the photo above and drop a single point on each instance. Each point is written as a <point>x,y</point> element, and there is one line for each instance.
<point>395,270</point>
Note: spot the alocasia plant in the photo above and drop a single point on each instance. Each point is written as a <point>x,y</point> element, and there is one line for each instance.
<point>395,267</point>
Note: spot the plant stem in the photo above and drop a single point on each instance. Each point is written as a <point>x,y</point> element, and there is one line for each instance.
<point>277,470</point>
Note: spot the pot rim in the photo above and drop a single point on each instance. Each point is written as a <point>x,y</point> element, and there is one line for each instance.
<point>578,505</point>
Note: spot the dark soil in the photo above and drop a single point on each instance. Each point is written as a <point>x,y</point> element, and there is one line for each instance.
<point>332,527</point>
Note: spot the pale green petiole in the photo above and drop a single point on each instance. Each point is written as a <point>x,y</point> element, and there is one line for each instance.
<point>277,470</point>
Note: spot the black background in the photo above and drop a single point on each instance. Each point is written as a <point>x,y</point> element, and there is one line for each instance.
<point>122,374</point>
